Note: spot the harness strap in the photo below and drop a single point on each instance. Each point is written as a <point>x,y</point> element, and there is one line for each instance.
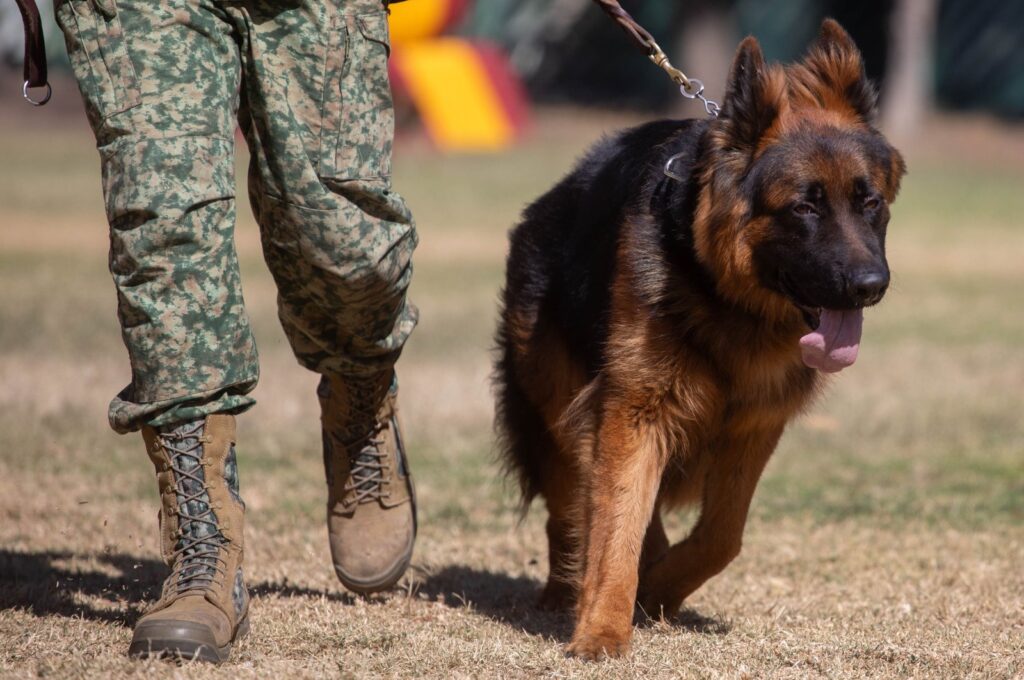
<point>35,51</point>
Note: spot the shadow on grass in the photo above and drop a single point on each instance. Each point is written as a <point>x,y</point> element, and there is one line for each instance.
<point>512,600</point>
<point>286,589</point>
<point>695,622</point>
<point>46,584</point>
<point>116,587</point>
<point>500,597</point>
<point>50,583</point>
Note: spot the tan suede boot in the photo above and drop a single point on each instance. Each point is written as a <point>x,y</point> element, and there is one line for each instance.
<point>371,503</point>
<point>204,607</point>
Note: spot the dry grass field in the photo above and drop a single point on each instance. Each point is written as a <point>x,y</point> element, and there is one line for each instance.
<point>886,539</point>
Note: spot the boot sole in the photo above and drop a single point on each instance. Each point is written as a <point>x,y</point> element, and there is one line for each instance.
<point>182,641</point>
<point>393,575</point>
<point>389,579</point>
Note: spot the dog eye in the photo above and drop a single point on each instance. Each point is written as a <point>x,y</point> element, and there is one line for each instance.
<point>805,209</point>
<point>871,203</point>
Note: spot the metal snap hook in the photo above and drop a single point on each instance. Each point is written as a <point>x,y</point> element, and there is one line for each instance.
<point>694,89</point>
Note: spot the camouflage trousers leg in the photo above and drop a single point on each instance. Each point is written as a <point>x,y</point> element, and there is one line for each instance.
<point>337,238</point>
<point>163,84</point>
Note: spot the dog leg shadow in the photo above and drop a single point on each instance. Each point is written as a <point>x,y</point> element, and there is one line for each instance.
<point>689,620</point>
<point>511,600</point>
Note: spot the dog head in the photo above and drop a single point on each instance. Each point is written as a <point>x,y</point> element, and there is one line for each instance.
<point>798,189</point>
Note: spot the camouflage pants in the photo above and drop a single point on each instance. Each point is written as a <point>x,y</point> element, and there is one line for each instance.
<point>163,84</point>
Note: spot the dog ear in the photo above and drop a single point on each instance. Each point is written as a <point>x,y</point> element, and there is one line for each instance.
<point>832,73</point>
<point>897,169</point>
<point>752,99</point>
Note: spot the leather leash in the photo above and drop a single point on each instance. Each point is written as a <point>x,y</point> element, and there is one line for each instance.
<point>691,88</point>
<point>35,52</point>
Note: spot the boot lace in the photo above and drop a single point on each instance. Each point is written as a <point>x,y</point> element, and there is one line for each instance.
<point>368,458</point>
<point>368,463</point>
<point>197,557</point>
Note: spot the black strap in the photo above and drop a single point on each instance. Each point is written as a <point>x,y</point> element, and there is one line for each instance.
<point>35,49</point>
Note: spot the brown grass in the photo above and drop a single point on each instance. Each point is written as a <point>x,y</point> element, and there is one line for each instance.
<point>886,539</point>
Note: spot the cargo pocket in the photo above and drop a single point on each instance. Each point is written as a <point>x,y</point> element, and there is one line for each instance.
<point>358,107</point>
<point>99,56</point>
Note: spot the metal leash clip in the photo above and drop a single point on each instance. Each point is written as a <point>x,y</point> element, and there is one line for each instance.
<point>691,88</point>
<point>694,89</point>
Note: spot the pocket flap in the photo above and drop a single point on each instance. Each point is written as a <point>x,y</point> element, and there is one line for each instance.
<point>375,27</point>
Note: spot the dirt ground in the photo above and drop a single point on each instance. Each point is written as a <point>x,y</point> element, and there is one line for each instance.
<point>886,539</point>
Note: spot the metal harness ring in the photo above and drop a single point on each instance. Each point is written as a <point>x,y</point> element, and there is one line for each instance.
<point>33,102</point>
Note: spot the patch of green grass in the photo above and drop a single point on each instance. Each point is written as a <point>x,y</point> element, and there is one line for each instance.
<point>949,490</point>
<point>66,159</point>
<point>937,457</point>
<point>949,200</point>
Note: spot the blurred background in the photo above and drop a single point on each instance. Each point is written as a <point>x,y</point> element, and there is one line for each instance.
<point>925,55</point>
<point>885,539</point>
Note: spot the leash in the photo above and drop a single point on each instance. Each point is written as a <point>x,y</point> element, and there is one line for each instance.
<point>35,52</point>
<point>691,88</point>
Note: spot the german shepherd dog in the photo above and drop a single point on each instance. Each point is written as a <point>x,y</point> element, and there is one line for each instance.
<point>658,333</point>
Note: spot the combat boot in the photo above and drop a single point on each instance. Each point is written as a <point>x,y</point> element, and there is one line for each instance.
<point>204,606</point>
<point>371,503</point>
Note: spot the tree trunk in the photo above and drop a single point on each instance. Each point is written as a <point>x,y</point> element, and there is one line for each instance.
<point>907,96</point>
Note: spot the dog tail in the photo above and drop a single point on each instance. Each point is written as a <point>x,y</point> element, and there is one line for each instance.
<point>521,432</point>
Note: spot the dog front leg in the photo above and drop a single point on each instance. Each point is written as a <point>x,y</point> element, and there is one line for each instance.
<point>623,482</point>
<point>718,535</point>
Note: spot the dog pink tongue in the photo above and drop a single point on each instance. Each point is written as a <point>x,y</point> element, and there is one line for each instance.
<point>833,346</point>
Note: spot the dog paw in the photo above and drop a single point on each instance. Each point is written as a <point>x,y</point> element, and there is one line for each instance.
<point>657,604</point>
<point>657,608</point>
<point>597,647</point>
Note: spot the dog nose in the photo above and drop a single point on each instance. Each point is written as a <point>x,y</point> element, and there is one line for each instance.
<point>867,286</point>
